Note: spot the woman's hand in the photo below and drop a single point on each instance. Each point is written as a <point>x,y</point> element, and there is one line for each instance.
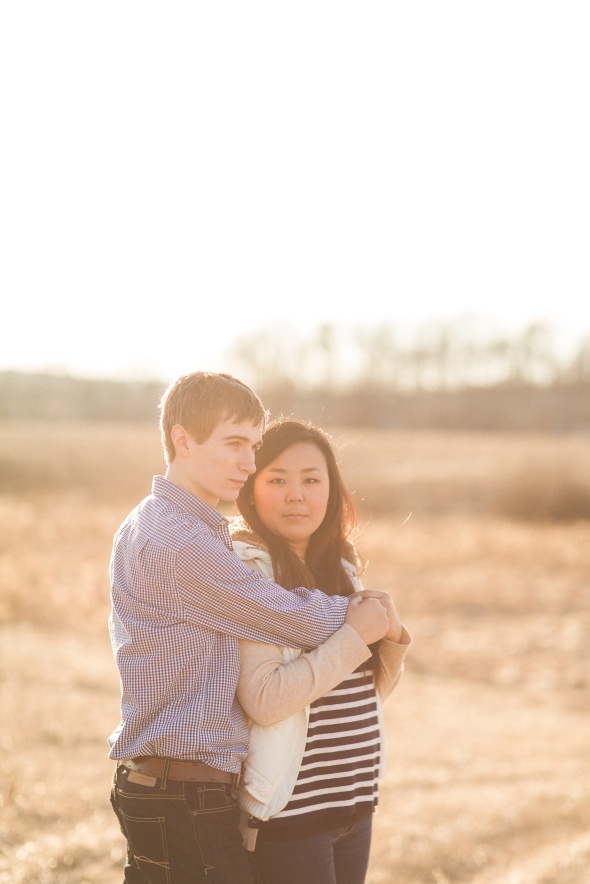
<point>395,629</point>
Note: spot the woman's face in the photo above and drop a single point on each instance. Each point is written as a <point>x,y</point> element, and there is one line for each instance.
<point>291,494</point>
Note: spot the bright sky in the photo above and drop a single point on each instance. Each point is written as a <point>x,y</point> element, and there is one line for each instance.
<point>175,176</point>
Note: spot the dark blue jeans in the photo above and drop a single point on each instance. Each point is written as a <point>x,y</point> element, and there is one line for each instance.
<point>340,856</point>
<point>181,834</point>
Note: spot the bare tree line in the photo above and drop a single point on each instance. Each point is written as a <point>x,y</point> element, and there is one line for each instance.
<point>436,357</point>
<point>459,376</point>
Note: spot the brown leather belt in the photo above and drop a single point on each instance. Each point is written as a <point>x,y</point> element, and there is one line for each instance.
<point>190,771</point>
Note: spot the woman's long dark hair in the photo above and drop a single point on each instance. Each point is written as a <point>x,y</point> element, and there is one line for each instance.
<point>330,543</point>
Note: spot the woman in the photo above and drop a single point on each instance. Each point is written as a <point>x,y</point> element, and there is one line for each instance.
<point>316,749</point>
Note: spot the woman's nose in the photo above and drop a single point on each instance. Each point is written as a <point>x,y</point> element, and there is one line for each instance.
<point>295,492</point>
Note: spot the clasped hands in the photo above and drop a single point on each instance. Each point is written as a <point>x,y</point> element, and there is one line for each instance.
<point>372,613</point>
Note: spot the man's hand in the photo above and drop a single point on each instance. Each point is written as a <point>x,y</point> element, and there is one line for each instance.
<point>394,624</point>
<point>368,617</point>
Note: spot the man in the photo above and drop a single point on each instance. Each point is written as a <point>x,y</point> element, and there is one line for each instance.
<point>181,599</point>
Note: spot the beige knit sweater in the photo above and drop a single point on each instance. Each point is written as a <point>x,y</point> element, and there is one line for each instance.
<point>278,684</point>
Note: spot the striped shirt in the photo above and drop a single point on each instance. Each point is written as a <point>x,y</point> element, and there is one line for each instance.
<point>181,599</point>
<point>338,778</point>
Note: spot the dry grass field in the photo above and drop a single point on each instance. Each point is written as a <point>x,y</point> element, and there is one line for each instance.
<point>489,731</point>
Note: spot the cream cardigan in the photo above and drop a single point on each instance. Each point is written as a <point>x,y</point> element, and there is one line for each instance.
<point>276,686</point>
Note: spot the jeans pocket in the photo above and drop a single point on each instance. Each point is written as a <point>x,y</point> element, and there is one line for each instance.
<point>210,798</point>
<point>187,832</point>
<point>147,841</point>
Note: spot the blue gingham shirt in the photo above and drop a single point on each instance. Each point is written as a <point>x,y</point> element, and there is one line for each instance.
<point>181,599</point>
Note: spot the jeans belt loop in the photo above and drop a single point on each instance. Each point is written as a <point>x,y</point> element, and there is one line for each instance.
<point>164,785</point>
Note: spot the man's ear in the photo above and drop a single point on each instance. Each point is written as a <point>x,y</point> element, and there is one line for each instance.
<point>180,438</point>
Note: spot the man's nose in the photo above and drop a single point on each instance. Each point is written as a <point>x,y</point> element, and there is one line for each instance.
<point>249,462</point>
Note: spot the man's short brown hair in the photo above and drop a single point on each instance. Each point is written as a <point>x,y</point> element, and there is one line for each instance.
<point>202,400</point>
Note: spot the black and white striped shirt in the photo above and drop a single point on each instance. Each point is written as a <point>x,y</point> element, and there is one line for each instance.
<point>339,771</point>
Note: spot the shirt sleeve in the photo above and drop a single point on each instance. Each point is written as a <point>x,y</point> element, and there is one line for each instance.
<point>220,592</point>
<point>270,690</point>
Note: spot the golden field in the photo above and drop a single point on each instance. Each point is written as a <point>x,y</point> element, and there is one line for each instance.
<point>488,762</point>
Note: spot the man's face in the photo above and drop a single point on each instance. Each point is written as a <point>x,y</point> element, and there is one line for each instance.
<point>216,469</point>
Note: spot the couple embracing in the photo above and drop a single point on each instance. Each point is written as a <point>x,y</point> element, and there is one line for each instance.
<point>252,661</point>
